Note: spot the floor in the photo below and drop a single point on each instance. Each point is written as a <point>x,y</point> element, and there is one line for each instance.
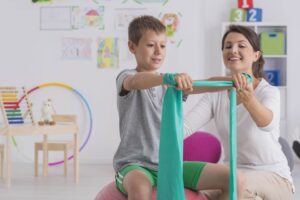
<point>56,187</point>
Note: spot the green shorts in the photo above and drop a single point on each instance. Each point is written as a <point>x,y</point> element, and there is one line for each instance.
<point>191,174</point>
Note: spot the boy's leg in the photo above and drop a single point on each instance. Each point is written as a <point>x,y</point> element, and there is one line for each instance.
<point>136,182</point>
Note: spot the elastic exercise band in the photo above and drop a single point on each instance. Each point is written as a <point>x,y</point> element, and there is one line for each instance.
<point>170,169</point>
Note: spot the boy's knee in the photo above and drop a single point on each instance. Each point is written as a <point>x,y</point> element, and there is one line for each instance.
<point>140,192</point>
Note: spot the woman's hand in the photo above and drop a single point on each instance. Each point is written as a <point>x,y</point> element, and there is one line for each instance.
<point>243,87</point>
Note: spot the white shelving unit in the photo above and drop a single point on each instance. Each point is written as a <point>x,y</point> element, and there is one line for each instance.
<point>272,62</point>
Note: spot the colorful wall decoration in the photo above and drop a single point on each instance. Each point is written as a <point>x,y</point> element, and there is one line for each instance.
<point>108,54</point>
<point>88,17</point>
<point>76,48</point>
<point>172,22</point>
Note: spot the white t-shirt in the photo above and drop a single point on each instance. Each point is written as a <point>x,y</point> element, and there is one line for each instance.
<point>257,147</point>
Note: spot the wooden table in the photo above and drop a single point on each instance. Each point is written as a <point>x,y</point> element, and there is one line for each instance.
<point>34,130</point>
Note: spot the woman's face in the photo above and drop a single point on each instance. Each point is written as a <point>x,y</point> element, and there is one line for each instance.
<point>238,54</point>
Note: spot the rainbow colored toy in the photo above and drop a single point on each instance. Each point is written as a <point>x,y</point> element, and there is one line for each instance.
<point>14,111</point>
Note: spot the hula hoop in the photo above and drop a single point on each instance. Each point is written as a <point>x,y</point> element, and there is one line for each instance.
<point>62,85</point>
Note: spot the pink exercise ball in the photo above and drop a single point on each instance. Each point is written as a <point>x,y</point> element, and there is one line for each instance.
<point>110,192</point>
<point>202,146</point>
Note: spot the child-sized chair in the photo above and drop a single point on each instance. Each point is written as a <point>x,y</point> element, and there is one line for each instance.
<point>200,146</point>
<point>64,146</point>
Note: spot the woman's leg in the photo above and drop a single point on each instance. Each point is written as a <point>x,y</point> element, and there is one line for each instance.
<point>215,177</point>
<point>266,185</point>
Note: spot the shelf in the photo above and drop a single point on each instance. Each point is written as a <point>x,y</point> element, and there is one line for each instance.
<point>275,56</point>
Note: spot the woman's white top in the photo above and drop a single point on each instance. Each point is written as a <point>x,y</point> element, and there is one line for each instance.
<point>257,147</point>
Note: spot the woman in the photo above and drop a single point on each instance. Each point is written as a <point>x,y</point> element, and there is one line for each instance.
<point>259,153</point>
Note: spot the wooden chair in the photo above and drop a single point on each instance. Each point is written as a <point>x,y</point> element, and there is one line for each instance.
<point>1,160</point>
<point>64,146</point>
<point>17,120</point>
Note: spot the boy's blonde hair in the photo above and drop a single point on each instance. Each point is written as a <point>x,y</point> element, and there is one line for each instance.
<point>139,25</point>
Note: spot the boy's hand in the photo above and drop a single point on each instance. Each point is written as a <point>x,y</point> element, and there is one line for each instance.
<point>184,82</point>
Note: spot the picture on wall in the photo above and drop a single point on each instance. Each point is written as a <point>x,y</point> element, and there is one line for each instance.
<point>41,1</point>
<point>76,49</point>
<point>107,53</point>
<point>172,22</point>
<point>149,1</point>
<point>88,17</point>
<point>55,18</point>
<point>71,17</point>
<point>123,16</point>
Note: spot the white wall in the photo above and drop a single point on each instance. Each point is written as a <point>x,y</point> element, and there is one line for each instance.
<point>31,57</point>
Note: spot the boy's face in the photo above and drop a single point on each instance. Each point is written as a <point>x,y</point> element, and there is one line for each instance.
<point>150,51</point>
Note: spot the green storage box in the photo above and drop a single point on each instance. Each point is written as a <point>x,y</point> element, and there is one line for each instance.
<point>272,43</point>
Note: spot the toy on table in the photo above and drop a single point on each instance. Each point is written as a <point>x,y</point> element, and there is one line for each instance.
<point>47,112</point>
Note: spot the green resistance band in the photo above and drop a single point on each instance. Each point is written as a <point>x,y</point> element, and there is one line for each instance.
<point>169,79</point>
<point>213,84</point>
<point>232,125</point>
<point>248,76</point>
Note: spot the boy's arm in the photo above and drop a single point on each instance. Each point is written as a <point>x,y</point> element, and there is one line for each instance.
<point>145,80</point>
<point>142,80</point>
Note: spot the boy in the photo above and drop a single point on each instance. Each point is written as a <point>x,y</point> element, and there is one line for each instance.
<point>140,97</point>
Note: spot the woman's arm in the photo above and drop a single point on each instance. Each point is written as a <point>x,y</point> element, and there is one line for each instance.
<point>260,114</point>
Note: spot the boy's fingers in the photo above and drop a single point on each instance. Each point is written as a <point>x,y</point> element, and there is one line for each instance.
<point>184,82</point>
<point>179,84</point>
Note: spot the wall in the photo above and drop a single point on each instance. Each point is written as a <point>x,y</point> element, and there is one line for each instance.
<point>31,57</point>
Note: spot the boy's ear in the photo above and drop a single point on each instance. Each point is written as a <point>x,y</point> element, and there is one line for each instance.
<point>131,46</point>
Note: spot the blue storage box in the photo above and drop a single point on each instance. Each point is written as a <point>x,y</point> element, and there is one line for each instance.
<point>273,77</point>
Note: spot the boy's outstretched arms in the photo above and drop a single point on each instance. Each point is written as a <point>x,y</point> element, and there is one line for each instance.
<point>145,80</point>
<point>142,80</point>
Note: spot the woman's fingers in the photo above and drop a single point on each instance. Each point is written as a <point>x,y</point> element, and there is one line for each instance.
<point>240,81</point>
